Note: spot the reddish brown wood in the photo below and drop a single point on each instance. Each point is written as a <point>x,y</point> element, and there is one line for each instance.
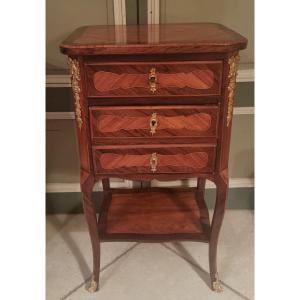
<point>138,39</point>
<point>87,183</point>
<point>222,191</point>
<point>158,176</point>
<point>192,99</point>
<point>153,100</point>
<point>201,184</point>
<point>151,213</point>
<point>152,140</point>
<point>172,78</point>
<point>105,184</point>
<point>170,159</point>
<point>134,121</point>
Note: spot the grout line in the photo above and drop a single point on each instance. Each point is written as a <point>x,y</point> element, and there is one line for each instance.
<point>76,288</point>
<point>118,257</point>
<point>196,265</point>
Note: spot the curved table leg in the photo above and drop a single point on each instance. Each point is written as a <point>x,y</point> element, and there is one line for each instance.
<point>222,191</point>
<point>87,183</point>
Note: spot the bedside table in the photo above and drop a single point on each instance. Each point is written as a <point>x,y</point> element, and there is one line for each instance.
<point>154,102</point>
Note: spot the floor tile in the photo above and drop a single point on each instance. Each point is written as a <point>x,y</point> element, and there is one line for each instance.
<point>235,252</point>
<point>69,255</point>
<point>149,270</point>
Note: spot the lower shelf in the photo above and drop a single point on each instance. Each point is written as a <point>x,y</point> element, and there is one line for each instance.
<point>154,214</point>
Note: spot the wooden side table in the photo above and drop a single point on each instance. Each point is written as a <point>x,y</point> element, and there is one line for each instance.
<point>154,102</point>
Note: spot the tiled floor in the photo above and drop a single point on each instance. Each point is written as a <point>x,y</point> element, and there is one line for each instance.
<point>167,271</point>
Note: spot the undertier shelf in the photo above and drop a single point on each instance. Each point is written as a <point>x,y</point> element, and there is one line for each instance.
<point>154,214</point>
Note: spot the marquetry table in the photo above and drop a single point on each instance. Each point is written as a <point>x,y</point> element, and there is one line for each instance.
<point>154,102</point>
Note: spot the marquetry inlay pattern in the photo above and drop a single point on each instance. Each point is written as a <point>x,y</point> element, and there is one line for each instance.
<point>197,79</point>
<point>109,123</point>
<point>154,110</point>
<point>171,163</point>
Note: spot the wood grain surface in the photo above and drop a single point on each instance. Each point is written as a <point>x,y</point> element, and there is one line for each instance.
<point>117,94</point>
<point>138,39</point>
<point>135,159</point>
<point>155,212</point>
<point>170,121</point>
<point>172,78</point>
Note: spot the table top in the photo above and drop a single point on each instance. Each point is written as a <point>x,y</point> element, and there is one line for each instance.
<point>161,38</point>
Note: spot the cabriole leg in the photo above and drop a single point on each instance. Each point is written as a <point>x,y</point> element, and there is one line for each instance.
<point>87,183</point>
<point>222,191</point>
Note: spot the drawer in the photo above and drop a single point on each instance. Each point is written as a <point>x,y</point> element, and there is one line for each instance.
<point>191,78</point>
<point>136,159</point>
<point>154,121</point>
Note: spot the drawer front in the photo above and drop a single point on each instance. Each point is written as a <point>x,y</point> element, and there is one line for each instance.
<point>137,159</point>
<point>191,78</point>
<point>155,121</point>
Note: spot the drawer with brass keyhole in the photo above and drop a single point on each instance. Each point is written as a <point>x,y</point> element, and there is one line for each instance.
<point>133,79</point>
<point>137,159</point>
<point>154,121</point>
